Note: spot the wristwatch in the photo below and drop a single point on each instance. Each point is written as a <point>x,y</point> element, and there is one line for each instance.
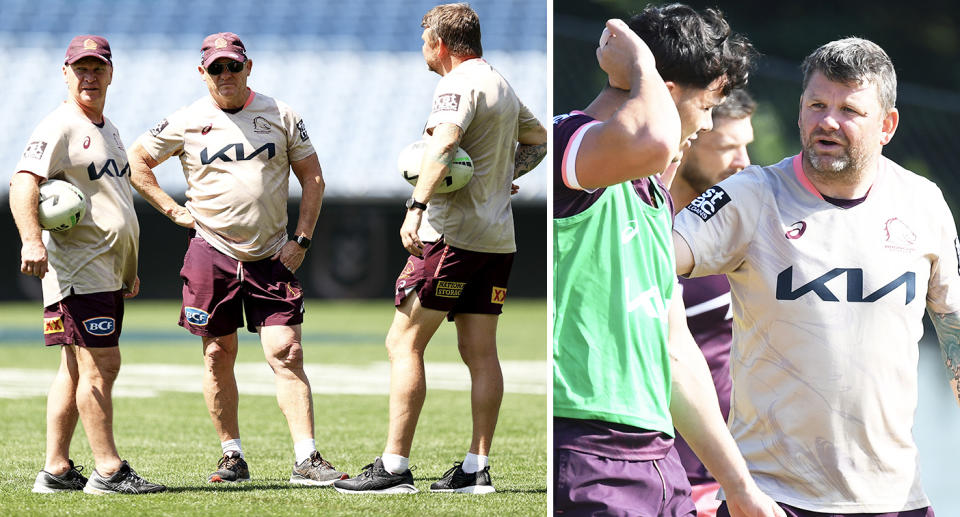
<point>413,203</point>
<point>302,241</point>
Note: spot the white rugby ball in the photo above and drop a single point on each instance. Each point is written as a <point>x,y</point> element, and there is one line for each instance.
<point>62,205</point>
<point>461,168</point>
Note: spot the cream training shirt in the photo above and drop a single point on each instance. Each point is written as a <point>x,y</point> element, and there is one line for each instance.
<point>827,305</point>
<point>478,217</point>
<point>237,168</point>
<point>99,254</point>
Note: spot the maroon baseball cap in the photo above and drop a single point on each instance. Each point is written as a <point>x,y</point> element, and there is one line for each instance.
<point>88,45</point>
<point>222,44</point>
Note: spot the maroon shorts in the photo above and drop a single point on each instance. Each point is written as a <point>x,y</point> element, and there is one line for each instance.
<point>587,485</point>
<point>219,290</point>
<point>456,280</point>
<point>91,320</point>
<point>793,511</point>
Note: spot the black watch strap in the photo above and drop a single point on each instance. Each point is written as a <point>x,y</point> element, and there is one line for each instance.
<point>302,241</point>
<point>413,203</point>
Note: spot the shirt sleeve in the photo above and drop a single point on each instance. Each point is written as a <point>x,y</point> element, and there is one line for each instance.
<point>299,145</point>
<point>45,152</point>
<point>568,197</point>
<point>166,138</point>
<point>720,223</point>
<point>525,119</point>
<point>943,292</point>
<point>454,102</point>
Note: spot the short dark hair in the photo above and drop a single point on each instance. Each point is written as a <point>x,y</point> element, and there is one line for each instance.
<point>737,104</point>
<point>694,49</point>
<point>854,61</point>
<point>458,26</point>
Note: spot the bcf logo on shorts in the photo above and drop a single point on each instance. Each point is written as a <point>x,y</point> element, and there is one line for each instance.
<point>101,326</point>
<point>196,316</point>
<point>499,295</point>
<point>52,325</point>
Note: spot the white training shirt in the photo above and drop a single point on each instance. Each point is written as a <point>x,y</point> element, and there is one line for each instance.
<point>478,217</point>
<point>99,254</point>
<point>237,168</point>
<point>827,306</point>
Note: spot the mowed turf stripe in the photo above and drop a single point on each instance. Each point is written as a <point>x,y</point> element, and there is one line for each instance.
<point>148,380</point>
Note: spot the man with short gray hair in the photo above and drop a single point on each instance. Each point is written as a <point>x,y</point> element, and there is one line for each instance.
<point>832,256</point>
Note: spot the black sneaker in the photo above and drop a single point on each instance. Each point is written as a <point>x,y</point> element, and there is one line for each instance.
<point>456,480</point>
<point>124,481</point>
<point>315,471</point>
<point>70,480</point>
<point>231,469</point>
<point>376,480</point>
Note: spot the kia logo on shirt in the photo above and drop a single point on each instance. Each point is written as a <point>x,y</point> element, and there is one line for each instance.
<point>102,326</point>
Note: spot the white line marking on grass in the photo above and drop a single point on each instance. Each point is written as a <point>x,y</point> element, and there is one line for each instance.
<point>148,380</point>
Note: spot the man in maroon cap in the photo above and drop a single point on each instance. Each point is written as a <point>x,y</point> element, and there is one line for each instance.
<point>237,147</point>
<point>83,304</point>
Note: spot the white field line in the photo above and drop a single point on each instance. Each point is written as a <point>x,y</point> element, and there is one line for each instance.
<point>148,380</point>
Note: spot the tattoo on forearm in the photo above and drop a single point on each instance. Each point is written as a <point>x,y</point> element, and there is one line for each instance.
<point>948,333</point>
<point>527,157</point>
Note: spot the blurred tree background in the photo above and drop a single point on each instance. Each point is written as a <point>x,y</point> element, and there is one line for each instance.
<point>922,39</point>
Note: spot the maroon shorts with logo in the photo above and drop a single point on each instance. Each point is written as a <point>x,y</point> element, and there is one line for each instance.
<point>91,320</point>
<point>456,280</point>
<point>219,290</point>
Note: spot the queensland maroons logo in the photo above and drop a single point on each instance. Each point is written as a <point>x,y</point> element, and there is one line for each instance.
<point>796,230</point>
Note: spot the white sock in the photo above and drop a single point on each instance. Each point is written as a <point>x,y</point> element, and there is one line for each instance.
<point>394,463</point>
<point>232,445</point>
<point>303,449</point>
<point>474,463</point>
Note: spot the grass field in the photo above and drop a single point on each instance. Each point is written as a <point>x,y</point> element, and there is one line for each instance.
<point>162,427</point>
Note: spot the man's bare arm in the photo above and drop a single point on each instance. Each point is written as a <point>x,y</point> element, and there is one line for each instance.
<point>696,415</point>
<point>948,333</point>
<point>527,157</point>
<point>530,151</point>
<point>310,175</point>
<point>643,135</point>
<point>24,199</point>
<point>441,149</point>
<point>683,254</point>
<point>143,179</point>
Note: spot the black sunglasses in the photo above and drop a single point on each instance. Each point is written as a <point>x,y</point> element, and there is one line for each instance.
<point>217,68</point>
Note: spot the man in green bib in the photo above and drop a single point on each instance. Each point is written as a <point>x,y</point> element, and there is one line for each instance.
<point>626,370</point>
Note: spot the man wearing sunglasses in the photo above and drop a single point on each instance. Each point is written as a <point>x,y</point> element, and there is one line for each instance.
<point>237,148</point>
